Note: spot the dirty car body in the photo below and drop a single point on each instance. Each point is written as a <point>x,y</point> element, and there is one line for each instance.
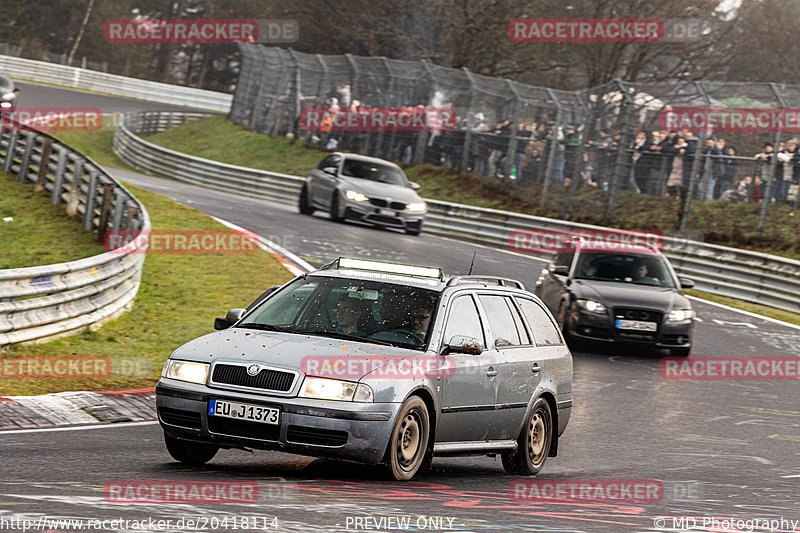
<point>490,374</point>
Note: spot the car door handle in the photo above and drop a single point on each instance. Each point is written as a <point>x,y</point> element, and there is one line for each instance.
<point>536,368</point>
<point>491,372</point>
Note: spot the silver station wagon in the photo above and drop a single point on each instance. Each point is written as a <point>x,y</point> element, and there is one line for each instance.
<point>378,363</point>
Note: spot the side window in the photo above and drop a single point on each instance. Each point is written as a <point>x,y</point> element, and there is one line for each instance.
<point>501,320</point>
<point>464,320</point>
<point>330,161</point>
<point>523,334</point>
<point>542,327</point>
<point>564,259</point>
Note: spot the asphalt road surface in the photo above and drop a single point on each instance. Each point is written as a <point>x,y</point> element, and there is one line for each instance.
<point>721,450</point>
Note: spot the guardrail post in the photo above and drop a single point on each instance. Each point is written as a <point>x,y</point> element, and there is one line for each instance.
<point>105,211</point>
<point>11,151</point>
<point>73,198</point>
<point>91,195</point>
<point>44,163</point>
<point>58,183</point>
<point>30,140</point>
<point>119,210</point>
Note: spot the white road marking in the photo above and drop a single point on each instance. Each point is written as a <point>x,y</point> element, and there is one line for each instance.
<point>743,312</point>
<point>78,428</point>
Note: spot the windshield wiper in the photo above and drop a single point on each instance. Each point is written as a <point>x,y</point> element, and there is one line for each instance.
<point>265,327</point>
<point>343,336</point>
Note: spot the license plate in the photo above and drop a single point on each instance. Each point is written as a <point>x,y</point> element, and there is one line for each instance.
<point>386,212</point>
<point>244,411</point>
<point>637,325</point>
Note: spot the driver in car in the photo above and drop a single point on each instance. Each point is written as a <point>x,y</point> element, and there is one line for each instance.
<point>640,272</point>
<point>348,315</point>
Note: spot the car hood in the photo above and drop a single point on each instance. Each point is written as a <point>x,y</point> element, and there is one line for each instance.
<point>375,189</point>
<point>613,294</point>
<point>283,350</point>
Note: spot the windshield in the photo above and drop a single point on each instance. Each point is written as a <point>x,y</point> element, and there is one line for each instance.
<point>353,168</point>
<point>6,85</point>
<point>638,269</point>
<point>369,311</point>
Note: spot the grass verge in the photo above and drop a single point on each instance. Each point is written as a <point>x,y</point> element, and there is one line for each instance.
<point>178,299</point>
<point>771,312</point>
<point>40,233</point>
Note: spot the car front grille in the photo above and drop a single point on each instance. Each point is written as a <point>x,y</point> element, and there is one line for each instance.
<point>638,314</point>
<point>267,379</point>
<point>380,202</point>
<point>180,418</point>
<point>316,436</point>
<point>243,428</point>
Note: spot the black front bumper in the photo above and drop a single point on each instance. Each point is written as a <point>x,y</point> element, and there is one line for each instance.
<point>602,328</point>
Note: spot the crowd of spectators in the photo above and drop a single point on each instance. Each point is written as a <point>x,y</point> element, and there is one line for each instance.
<point>652,162</point>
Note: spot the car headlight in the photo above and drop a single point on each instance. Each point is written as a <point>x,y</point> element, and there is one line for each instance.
<point>416,207</point>
<point>9,96</point>
<point>355,196</point>
<point>186,371</point>
<point>592,306</point>
<point>679,315</point>
<point>334,389</point>
<point>5,104</point>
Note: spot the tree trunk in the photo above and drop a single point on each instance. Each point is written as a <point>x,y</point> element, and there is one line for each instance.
<point>80,32</point>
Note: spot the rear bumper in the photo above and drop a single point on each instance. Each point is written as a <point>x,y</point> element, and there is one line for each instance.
<point>345,430</point>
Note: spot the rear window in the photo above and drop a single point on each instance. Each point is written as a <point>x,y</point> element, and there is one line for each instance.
<point>542,327</point>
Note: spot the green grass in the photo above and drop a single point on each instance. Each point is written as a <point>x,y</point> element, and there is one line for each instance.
<point>720,222</point>
<point>40,233</point>
<point>178,299</point>
<point>778,314</point>
<point>96,145</point>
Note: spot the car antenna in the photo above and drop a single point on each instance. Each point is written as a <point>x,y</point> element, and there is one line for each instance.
<point>472,263</point>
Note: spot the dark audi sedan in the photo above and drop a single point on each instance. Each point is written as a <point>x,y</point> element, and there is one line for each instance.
<point>607,294</point>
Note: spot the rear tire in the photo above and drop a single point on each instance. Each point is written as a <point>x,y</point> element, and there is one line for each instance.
<point>533,444</point>
<point>408,444</point>
<point>304,203</point>
<point>190,453</point>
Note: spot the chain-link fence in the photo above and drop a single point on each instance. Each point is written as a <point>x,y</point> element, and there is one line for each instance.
<point>611,138</point>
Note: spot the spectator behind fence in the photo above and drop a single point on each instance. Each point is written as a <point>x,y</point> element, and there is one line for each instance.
<point>730,164</point>
<point>787,158</point>
<point>675,180</point>
<point>710,169</point>
<point>763,165</point>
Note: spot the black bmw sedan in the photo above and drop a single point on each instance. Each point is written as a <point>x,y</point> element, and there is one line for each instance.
<point>626,295</point>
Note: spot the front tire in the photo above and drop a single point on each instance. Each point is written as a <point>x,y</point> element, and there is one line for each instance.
<point>533,444</point>
<point>334,210</point>
<point>304,203</point>
<point>680,352</point>
<point>408,444</point>
<point>190,453</point>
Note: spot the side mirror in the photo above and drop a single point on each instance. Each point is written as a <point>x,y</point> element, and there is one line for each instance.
<point>229,319</point>
<point>561,270</point>
<point>16,89</point>
<point>463,344</point>
<point>413,185</point>
<point>686,283</point>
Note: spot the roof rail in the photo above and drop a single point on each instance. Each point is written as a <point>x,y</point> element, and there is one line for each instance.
<point>491,280</point>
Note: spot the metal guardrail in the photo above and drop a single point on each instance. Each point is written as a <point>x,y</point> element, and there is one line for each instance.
<point>42,302</point>
<point>93,80</point>
<point>751,276</point>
